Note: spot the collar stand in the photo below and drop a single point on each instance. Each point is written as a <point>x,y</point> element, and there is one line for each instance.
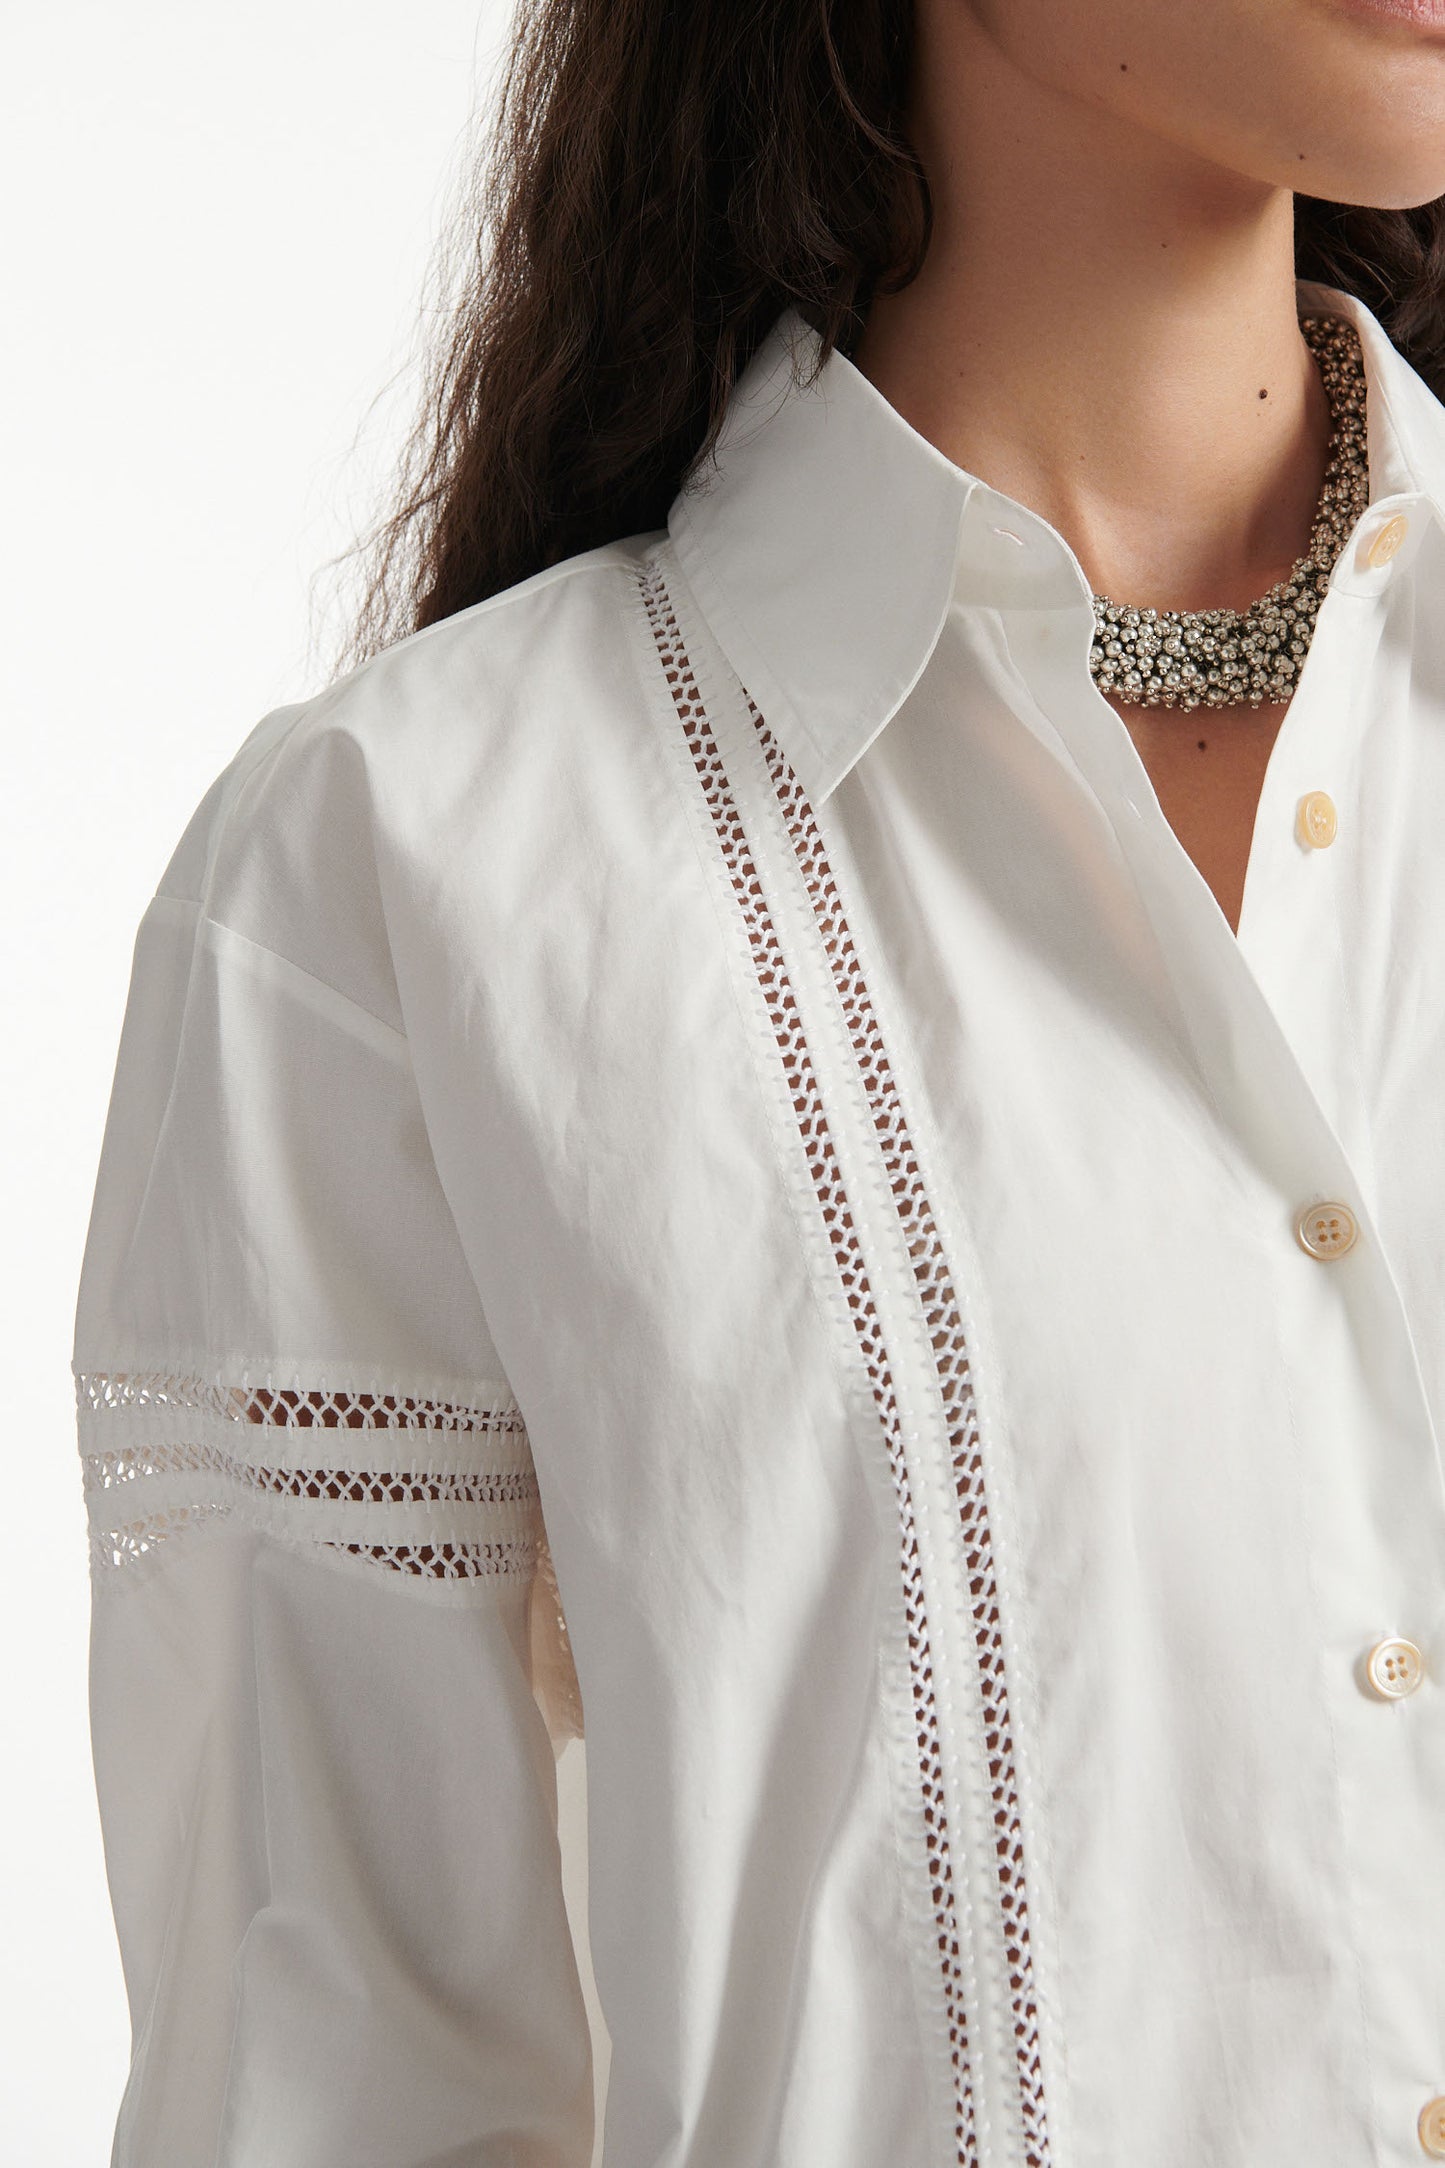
<point>1011,558</point>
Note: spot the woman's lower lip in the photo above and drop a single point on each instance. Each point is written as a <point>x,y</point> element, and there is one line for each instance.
<point>1420,14</point>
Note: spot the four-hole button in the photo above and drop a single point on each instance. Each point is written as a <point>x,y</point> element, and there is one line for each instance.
<point>1315,819</point>
<point>1394,1668</point>
<point>1386,540</point>
<point>1431,2127</point>
<point>1326,1230</point>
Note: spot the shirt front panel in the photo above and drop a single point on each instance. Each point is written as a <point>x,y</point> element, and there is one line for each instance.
<point>1114,1130</point>
<point>1229,1825</point>
<point>652,1185</point>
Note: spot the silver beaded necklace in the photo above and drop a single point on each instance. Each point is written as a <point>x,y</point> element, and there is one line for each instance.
<point>1228,658</point>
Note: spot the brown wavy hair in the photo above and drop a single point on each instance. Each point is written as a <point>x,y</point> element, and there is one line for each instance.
<point>659,181</point>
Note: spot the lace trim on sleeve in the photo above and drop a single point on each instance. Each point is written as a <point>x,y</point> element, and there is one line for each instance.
<point>438,1490</point>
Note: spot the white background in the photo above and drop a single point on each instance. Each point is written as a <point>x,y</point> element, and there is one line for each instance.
<point>215,232</point>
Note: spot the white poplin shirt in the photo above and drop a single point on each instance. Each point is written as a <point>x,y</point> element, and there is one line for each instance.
<point>691,1158</point>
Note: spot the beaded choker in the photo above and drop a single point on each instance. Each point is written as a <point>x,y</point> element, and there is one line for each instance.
<point>1228,658</point>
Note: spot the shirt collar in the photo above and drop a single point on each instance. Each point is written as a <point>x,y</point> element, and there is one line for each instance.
<point>828,540</point>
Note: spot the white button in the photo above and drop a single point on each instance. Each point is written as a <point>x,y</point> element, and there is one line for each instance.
<point>1431,2127</point>
<point>1385,542</point>
<point>1326,1230</point>
<point>1394,1668</point>
<point>1315,819</point>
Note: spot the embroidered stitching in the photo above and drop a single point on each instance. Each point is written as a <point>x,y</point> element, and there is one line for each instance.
<point>107,1469</point>
<point>134,1540</point>
<point>163,1454</point>
<point>945,1328</point>
<point>266,1403</point>
<point>214,1478</point>
<point>838,1220</point>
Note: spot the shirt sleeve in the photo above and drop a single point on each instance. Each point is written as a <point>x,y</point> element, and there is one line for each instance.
<point>328,1668</point>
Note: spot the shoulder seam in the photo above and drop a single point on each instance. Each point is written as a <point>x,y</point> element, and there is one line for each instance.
<point>313,711</point>
<point>605,557</point>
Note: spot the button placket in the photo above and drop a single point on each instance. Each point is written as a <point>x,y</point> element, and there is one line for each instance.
<point>1262,1012</point>
<point>1307,786</point>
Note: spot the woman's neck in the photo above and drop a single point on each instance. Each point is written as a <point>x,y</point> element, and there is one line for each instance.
<point>1105,328</point>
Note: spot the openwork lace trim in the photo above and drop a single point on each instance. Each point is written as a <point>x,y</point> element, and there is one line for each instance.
<point>945,1326</point>
<point>107,1470</point>
<point>133,1540</point>
<point>837,1218</point>
<point>296,1410</point>
<point>163,1454</point>
<point>446,1494</point>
